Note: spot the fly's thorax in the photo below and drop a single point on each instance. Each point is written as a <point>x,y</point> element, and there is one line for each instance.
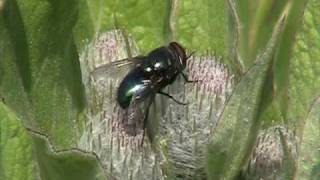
<point>167,61</point>
<point>160,59</point>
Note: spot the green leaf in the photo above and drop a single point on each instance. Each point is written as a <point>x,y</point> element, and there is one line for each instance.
<point>197,25</point>
<point>65,163</point>
<point>46,70</point>
<point>283,57</point>
<point>41,81</point>
<point>16,152</point>
<point>304,92</point>
<point>240,121</point>
<point>201,25</point>
<point>309,161</point>
<point>305,68</point>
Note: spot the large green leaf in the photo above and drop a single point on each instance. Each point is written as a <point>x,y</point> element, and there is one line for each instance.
<point>305,68</point>
<point>198,25</point>
<point>25,157</point>
<point>41,65</point>
<point>280,102</point>
<point>40,74</point>
<point>64,163</point>
<point>16,152</point>
<point>309,161</point>
<point>241,119</point>
<point>304,94</point>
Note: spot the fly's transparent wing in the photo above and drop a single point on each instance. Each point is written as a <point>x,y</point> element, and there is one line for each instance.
<point>133,119</point>
<point>116,69</point>
<point>133,122</point>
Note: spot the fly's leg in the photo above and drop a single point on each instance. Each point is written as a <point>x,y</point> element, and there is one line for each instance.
<point>144,126</point>
<point>171,97</point>
<point>145,121</point>
<point>186,78</point>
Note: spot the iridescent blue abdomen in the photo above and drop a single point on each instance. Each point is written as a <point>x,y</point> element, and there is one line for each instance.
<point>133,85</point>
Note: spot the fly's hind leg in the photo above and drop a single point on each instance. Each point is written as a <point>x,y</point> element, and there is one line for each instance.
<point>145,121</point>
<point>171,97</point>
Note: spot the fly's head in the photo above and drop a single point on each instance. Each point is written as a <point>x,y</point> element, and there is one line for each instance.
<point>179,52</point>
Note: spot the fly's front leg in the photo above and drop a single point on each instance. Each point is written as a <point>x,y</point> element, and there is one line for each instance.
<point>171,97</point>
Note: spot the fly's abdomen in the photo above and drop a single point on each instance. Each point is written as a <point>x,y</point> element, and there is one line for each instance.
<point>132,86</point>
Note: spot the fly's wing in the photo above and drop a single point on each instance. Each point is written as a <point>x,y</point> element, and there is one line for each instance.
<point>106,80</point>
<point>116,68</point>
<point>130,121</point>
<point>136,115</point>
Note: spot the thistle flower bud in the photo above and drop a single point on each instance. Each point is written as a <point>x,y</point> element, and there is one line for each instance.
<point>273,147</point>
<point>181,132</point>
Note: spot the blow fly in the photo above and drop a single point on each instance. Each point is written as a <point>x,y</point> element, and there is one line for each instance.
<point>147,76</point>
